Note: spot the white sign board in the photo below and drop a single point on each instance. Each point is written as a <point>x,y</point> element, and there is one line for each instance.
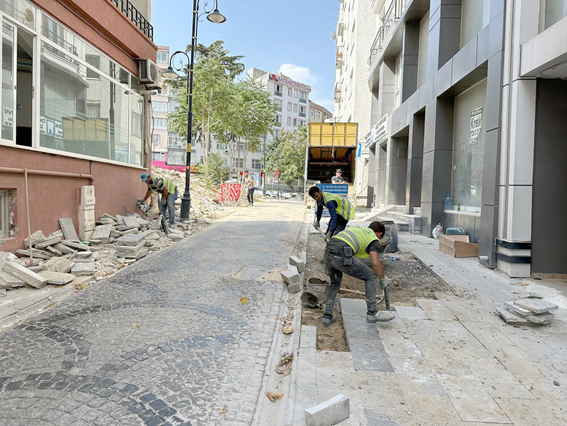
<point>381,130</point>
<point>476,124</point>
<point>50,127</point>
<point>7,117</point>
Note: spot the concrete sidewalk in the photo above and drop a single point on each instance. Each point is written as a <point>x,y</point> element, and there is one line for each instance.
<point>450,361</point>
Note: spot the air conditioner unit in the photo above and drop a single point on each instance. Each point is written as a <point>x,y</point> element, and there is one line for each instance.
<point>149,74</point>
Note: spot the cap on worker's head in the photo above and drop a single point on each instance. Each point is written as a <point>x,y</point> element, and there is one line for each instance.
<point>145,177</point>
<point>339,171</point>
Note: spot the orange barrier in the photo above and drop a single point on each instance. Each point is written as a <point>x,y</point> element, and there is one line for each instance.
<point>230,192</point>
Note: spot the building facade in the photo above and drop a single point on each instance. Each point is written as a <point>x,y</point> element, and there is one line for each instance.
<point>74,114</point>
<point>467,97</point>
<point>318,113</point>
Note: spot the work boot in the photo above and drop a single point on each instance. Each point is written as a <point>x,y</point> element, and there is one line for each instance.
<point>380,316</point>
<point>328,321</point>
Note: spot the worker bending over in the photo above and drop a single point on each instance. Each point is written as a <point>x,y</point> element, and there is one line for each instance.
<point>340,209</point>
<point>345,253</point>
<point>168,191</point>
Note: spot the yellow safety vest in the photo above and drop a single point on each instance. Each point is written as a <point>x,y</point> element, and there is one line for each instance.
<point>166,183</point>
<point>359,239</point>
<point>345,208</point>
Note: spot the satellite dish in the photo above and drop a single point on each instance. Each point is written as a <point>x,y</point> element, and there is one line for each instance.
<point>334,35</point>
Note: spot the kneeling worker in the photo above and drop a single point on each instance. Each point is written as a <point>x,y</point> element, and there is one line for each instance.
<point>344,253</point>
<point>340,209</point>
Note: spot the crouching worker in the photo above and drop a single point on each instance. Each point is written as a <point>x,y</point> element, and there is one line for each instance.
<point>340,209</point>
<point>344,253</point>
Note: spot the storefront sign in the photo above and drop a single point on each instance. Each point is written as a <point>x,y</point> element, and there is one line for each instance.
<point>381,130</point>
<point>50,127</point>
<point>476,124</point>
<point>289,82</point>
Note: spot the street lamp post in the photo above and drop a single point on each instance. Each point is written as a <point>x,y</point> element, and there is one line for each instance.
<point>216,17</point>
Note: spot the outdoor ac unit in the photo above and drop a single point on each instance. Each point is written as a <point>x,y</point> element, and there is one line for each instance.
<point>149,74</point>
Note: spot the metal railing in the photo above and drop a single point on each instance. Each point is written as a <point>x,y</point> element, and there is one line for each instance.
<point>302,114</point>
<point>278,94</point>
<point>136,17</point>
<point>391,17</point>
<point>303,100</point>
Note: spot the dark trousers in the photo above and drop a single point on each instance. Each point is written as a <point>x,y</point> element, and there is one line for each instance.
<point>250,195</point>
<point>335,264</point>
<point>341,225</point>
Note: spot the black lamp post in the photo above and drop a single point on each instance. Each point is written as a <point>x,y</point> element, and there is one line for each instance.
<point>218,18</point>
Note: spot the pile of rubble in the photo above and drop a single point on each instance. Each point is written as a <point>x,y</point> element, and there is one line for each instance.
<point>529,309</point>
<point>204,201</point>
<point>61,257</point>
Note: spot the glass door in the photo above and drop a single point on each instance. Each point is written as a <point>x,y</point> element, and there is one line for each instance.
<point>8,81</point>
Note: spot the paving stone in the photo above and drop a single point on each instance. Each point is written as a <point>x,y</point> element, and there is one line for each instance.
<point>130,222</point>
<point>25,275</point>
<point>57,278</point>
<point>84,254</point>
<point>512,318</point>
<point>76,246</point>
<point>87,268</point>
<point>536,306</point>
<point>291,275</point>
<point>296,261</point>
<point>54,251</point>
<point>48,242</point>
<point>529,315</point>
<point>68,228</point>
<point>330,412</point>
<point>410,312</point>
<point>102,233</point>
<point>130,240</point>
<point>58,233</point>
<point>294,288</point>
<point>37,254</point>
<point>6,257</point>
<point>58,264</point>
<point>64,249</point>
<point>34,238</point>
<point>27,261</point>
<point>9,281</point>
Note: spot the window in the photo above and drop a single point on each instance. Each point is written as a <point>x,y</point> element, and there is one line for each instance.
<point>302,97</point>
<point>238,163</point>
<point>301,123</point>
<point>162,57</point>
<point>295,93</point>
<point>289,106</point>
<point>158,156</point>
<point>160,123</point>
<point>93,60</point>
<point>290,92</point>
<point>279,119</point>
<point>294,107</point>
<point>256,164</point>
<point>312,114</point>
<point>93,109</point>
<point>176,141</point>
<point>155,141</point>
<point>289,121</point>
<point>318,114</point>
<point>4,228</point>
<point>277,133</point>
<point>278,90</point>
<point>295,122</point>
<point>159,107</point>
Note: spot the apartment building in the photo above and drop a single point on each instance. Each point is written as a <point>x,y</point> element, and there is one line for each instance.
<point>318,113</point>
<point>356,27</point>
<point>467,97</point>
<point>75,118</point>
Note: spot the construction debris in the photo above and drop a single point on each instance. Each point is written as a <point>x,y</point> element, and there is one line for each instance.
<point>528,309</point>
<point>285,364</point>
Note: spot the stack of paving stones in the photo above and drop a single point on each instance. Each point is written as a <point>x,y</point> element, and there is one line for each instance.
<point>62,258</point>
<point>527,310</point>
<point>293,275</point>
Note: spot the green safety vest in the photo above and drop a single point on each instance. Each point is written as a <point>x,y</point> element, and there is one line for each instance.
<point>166,183</point>
<point>358,238</point>
<point>345,208</point>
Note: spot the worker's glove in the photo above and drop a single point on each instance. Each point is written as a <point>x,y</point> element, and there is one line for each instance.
<point>385,282</point>
<point>328,236</point>
<point>140,201</point>
<point>316,224</point>
<point>163,201</point>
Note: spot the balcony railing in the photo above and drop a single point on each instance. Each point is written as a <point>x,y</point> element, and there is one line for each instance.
<point>277,93</point>
<point>302,114</point>
<point>136,17</point>
<point>304,101</point>
<point>339,57</point>
<point>338,90</point>
<point>391,17</point>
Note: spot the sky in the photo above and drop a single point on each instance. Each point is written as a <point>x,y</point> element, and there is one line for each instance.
<point>289,36</point>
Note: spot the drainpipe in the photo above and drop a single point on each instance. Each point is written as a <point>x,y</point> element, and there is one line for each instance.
<point>47,173</point>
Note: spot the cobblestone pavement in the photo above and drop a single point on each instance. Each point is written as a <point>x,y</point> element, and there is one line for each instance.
<point>167,340</point>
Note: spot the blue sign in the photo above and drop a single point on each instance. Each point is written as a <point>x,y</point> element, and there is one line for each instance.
<point>333,188</point>
<point>359,150</point>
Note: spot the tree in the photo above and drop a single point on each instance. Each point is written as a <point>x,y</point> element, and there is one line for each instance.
<point>217,171</point>
<point>214,74</point>
<point>287,154</point>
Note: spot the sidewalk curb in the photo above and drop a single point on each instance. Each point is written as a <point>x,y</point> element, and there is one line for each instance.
<point>275,413</point>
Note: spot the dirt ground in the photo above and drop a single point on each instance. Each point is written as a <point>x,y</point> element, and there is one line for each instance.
<point>409,279</point>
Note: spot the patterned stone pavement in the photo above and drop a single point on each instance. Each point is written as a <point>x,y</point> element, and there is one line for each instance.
<point>165,341</point>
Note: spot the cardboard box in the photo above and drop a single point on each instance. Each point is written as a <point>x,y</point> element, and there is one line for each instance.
<point>457,246</point>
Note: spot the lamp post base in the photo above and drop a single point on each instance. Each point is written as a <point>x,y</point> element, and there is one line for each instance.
<point>185,206</point>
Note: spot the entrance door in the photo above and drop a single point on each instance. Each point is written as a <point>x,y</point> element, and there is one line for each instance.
<point>8,81</point>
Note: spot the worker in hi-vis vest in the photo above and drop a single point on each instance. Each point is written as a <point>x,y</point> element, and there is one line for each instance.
<point>345,253</point>
<point>168,191</point>
<point>340,208</point>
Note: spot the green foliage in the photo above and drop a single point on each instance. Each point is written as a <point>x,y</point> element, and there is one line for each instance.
<point>287,154</point>
<point>215,171</point>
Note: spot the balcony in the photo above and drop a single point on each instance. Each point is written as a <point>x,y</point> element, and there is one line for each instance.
<point>339,57</point>
<point>302,114</point>
<point>278,94</point>
<point>303,101</point>
<point>136,17</point>
<point>338,91</point>
<point>391,17</point>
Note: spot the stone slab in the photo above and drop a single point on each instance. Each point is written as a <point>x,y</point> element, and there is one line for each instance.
<point>353,307</point>
<point>291,275</point>
<point>37,254</point>
<point>130,240</point>
<point>130,249</point>
<point>58,233</point>
<point>76,246</point>
<point>120,219</point>
<point>87,268</point>
<point>529,315</point>
<point>296,261</point>
<point>48,242</point>
<point>6,257</point>
<point>330,412</point>
<point>536,306</point>
<point>411,312</point>
<point>21,272</point>
<point>36,237</point>
<point>37,268</point>
<point>84,254</point>
<point>130,231</point>
<point>68,228</point>
<point>58,264</point>
<point>54,251</point>
<point>308,337</point>
<point>26,261</point>
<point>9,281</point>
<point>101,232</point>
<point>131,222</point>
<point>64,249</point>
<point>511,318</point>
<point>57,278</point>
<point>107,216</point>
<point>436,310</point>
<point>294,288</point>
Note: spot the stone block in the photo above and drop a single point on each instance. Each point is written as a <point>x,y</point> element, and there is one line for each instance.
<point>512,318</point>
<point>57,278</point>
<point>294,288</point>
<point>120,219</point>
<point>87,268</point>
<point>37,254</point>
<point>68,229</point>
<point>21,272</point>
<point>36,237</point>
<point>64,249</point>
<point>6,257</point>
<point>48,242</point>
<point>58,233</point>
<point>151,235</point>
<point>101,232</point>
<point>131,222</point>
<point>130,240</point>
<point>54,251</point>
<point>296,261</point>
<point>36,269</point>
<point>58,264</point>
<point>108,216</point>
<point>115,234</point>
<point>536,306</point>
<point>291,275</point>
<point>76,246</point>
<point>9,281</point>
<point>26,261</point>
<point>330,412</point>
<point>130,231</point>
<point>84,254</point>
